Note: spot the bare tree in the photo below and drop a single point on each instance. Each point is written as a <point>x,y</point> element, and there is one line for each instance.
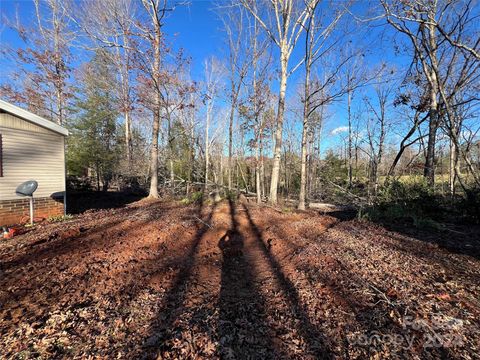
<point>213,71</point>
<point>42,66</point>
<point>254,108</point>
<point>109,24</point>
<point>406,141</point>
<point>316,36</point>
<point>322,92</point>
<point>449,70</point>
<point>376,130</point>
<point>458,34</point>
<point>239,61</point>
<point>289,22</point>
<point>149,60</point>
<point>417,21</point>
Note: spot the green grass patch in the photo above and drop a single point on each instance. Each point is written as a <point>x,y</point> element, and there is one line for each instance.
<point>193,198</point>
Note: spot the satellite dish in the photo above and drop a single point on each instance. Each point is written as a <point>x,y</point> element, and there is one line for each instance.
<point>27,188</point>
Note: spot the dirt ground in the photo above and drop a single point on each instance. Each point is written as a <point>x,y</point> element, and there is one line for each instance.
<point>233,281</point>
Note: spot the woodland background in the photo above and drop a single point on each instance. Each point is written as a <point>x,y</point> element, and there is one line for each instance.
<point>370,103</point>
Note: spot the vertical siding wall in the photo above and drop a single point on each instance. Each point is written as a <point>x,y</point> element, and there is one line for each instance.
<point>30,152</point>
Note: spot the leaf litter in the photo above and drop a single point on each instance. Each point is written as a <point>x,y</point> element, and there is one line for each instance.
<point>233,281</point>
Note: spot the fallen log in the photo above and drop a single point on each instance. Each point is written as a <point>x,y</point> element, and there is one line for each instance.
<point>325,207</point>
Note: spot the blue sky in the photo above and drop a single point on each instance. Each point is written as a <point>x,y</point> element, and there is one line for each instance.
<point>198,30</point>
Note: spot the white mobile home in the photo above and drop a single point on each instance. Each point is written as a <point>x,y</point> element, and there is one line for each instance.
<point>31,148</point>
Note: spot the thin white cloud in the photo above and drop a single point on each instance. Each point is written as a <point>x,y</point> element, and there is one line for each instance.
<point>340,129</point>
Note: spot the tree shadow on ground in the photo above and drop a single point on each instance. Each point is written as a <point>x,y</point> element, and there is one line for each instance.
<point>59,255</point>
<point>316,341</point>
<point>162,329</point>
<point>342,215</point>
<point>345,291</point>
<point>462,239</point>
<point>79,202</point>
<point>456,239</point>
<point>243,330</point>
<point>74,239</point>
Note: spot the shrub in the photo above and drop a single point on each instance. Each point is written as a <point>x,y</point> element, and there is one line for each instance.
<point>78,183</point>
<point>231,195</point>
<point>412,201</point>
<point>414,195</point>
<point>197,196</point>
<point>193,198</point>
<point>470,205</point>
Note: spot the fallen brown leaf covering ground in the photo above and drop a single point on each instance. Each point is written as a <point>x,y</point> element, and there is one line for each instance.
<point>232,281</point>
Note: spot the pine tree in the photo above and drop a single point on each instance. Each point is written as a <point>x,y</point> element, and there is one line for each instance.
<point>94,145</point>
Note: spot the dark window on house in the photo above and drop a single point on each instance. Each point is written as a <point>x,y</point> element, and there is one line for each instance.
<point>1,156</point>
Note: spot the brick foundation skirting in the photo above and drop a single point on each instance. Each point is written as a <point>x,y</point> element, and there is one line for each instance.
<point>18,210</point>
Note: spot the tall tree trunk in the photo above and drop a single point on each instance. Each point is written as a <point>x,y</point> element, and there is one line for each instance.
<point>258,127</point>
<point>258,181</point>
<point>172,173</point>
<point>59,66</point>
<point>122,63</point>
<point>170,151</point>
<point>126,99</point>
<point>128,145</point>
<point>207,147</point>
<point>262,163</point>
<point>350,157</point>
<point>207,155</point>
<point>191,152</point>
<point>429,171</point>
<point>277,154</point>
<point>303,169</point>
<point>230,142</point>
<point>97,166</point>
<point>221,169</point>
<point>453,161</point>
<point>153,193</point>
<point>429,168</point>
<point>258,185</point>
<point>380,153</point>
